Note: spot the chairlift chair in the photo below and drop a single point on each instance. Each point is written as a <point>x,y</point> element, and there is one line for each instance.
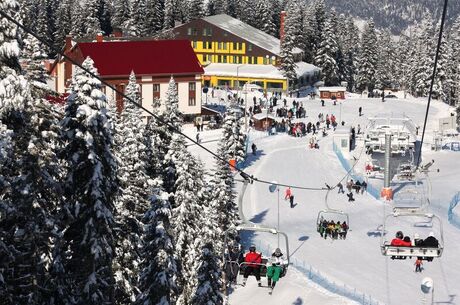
<point>265,259</point>
<point>413,251</point>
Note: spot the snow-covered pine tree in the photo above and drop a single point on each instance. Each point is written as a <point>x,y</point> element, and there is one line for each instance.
<point>91,14</point>
<point>172,119</point>
<point>425,56</point>
<point>196,9</point>
<point>132,201</point>
<point>319,8</point>
<point>187,208</point>
<point>209,275</point>
<point>86,249</point>
<point>121,13</point>
<point>264,18</point>
<point>63,23</point>
<point>157,279</point>
<point>308,36</point>
<point>234,137</point>
<point>223,198</point>
<point>327,53</point>
<point>140,26</point>
<point>385,70</point>
<point>29,171</point>
<point>78,27</point>
<point>155,16</point>
<point>276,7</point>
<point>169,14</point>
<point>454,42</point>
<point>368,58</point>
<point>42,23</point>
<point>443,81</point>
<point>216,7</point>
<point>36,72</point>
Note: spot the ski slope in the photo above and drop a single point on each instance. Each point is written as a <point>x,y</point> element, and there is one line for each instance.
<point>355,262</point>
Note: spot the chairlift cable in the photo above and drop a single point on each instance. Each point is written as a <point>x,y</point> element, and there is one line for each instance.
<point>438,47</point>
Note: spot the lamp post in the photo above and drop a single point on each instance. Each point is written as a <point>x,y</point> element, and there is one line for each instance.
<point>272,188</point>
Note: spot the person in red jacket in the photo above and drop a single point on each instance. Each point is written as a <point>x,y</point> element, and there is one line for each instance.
<point>253,262</point>
<point>400,242</point>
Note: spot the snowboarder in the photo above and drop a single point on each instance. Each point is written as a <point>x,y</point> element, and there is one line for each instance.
<point>254,148</point>
<point>273,273</point>
<point>287,193</point>
<point>252,261</point>
<point>322,103</point>
<point>418,265</point>
<point>291,200</point>
<point>360,110</point>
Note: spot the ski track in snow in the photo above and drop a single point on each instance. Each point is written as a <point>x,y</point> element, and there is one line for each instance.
<point>357,261</point>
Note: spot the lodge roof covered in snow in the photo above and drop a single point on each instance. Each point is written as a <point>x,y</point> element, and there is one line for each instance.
<point>257,71</point>
<point>152,57</point>
<point>249,33</point>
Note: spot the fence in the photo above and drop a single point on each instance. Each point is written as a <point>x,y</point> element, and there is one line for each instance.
<point>315,276</point>
<point>454,218</point>
<point>372,190</point>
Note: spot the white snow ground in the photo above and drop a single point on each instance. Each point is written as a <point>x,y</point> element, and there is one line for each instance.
<point>355,262</point>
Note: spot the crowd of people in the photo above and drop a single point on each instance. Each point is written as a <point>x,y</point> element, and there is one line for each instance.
<point>335,230</point>
<point>358,186</point>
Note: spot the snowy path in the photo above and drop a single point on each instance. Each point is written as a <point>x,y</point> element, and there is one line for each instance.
<point>356,262</point>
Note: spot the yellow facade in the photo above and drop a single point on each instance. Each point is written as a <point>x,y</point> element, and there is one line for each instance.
<point>227,52</point>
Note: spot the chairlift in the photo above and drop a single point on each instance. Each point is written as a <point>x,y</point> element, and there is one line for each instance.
<point>409,201</point>
<point>329,214</point>
<point>249,226</point>
<point>401,252</point>
<point>265,256</point>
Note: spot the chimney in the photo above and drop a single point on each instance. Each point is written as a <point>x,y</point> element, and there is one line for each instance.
<point>283,18</point>
<point>68,43</point>
<point>117,32</point>
<point>99,37</point>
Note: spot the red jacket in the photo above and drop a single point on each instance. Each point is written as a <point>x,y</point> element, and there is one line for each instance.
<point>400,243</point>
<point>253,257</point>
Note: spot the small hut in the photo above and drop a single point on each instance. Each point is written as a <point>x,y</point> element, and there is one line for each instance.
<point>332,92</point>
<point>263,121</point>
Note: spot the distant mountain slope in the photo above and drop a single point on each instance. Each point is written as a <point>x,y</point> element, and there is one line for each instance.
<point>396,15</point>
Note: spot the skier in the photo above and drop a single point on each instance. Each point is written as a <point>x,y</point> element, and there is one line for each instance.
<point>322,103</point>
<point>273,273</point>
<point>253,261</point>
<point>198,140</point>
<point>233,258</point>
<point>360,111</point>
<point>291,200</point>
<point>254,148</point>
<point>418,265</point>
<point>344,230</point>
<point>430,242</point>
<point>288,194</point>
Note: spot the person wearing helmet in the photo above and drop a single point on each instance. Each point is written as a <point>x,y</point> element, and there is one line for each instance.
<point>253,262</point>
<point>399,240</point>
<point>233,258</point>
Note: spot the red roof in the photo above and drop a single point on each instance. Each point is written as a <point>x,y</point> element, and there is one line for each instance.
<point>154,57</point>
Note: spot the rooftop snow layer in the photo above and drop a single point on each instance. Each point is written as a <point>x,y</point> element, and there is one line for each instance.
<point>256,71</point>
<point>247,32</point>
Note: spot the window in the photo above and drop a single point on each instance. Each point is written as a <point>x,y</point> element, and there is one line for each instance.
<point>194,44</point>
<point>224,59</point>
<point>204,57</point>
<point>249,47</point>
<point>207,32</point>
<point>219,46</point>
<point>207,45</point>
<point>237,59</point>
<point>156,90</point>
<point>191,101</point>
<point>219,58</point>
<point>191,86</point>
<point>189,31</point>
<point>224,45</point>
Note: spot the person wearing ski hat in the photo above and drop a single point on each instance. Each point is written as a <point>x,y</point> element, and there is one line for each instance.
<point>417,241</point>
<point>253,262</point>
<point>430,242</point>
<point>274,271</point>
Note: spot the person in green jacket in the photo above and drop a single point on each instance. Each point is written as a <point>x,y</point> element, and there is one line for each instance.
<point>273,272</point>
